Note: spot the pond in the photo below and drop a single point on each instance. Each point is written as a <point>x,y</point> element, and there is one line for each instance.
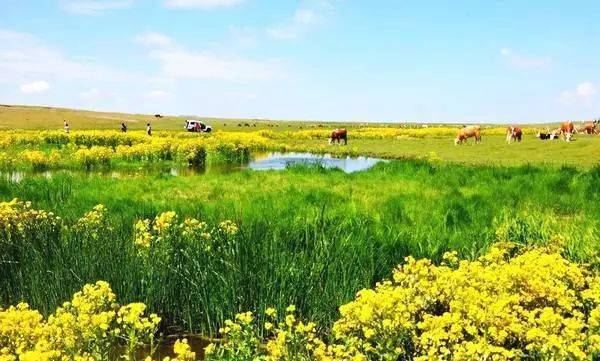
<point>259,162</point>
<point>280,161</point>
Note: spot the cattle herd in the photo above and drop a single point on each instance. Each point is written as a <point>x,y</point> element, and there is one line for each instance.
<point>514,133</point>
<point>566,130</point>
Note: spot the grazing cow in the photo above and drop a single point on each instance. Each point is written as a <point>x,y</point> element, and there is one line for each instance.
<point>567,129</point>
<point>545,136</point>
<point>157,116</point>
<point>513,133</point>
<point>589,128</point>
<point>338,135</point>
<point>465,133</point>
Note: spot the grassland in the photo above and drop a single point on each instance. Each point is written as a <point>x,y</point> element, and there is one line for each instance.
<point>307,236</point>
<point>34,117</point>
<point>307,136</point>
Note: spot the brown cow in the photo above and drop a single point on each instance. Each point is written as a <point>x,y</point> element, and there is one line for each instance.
<point>338,135</point>
<point>465,133</point>
<point>513,133</point>
<point>589,128</point>
<point>567,129</point>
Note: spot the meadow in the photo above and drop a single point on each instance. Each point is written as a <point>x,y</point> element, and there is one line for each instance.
<point>200,250</point>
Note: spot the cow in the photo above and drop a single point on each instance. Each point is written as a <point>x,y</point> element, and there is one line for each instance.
<point>589,128</point>
<point>514,133</point>
<point>567,129</point>
<point>338,135</point>
<point>544,136</point>
<point>465,133</point>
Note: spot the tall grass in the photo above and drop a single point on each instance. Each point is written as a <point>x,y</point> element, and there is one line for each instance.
<point>308,236</point>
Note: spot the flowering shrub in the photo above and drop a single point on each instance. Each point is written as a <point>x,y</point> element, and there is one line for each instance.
<point>92,326</point>
<point>39,160</point>
<point>20,225</point>
<point>93,222</point>
<point>509,304</point>
<point>288,338</point>
<point>96,155</point>
<point>182,349</point>
<point>166,228</point>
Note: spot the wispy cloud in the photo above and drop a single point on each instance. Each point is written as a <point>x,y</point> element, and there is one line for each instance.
<point>298,24</point>
<point>517,60</point>
<point>23,56</point>
<point>153,39</point>
<point>201,64</point>
<point>201,4</point>
<point>177,62</point>
<point>584,93</point>
<point>93,7</point>
<point>39,86</point>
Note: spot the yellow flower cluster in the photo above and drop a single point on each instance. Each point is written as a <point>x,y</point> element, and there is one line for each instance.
<point>98,148</point>
<point>40,160</point>
<point>229,227</point>
<point>142,235</point>
<point>507,304</point>
<point>167,226</point>
<point>288,338</point>
<point>94,222</point>
<point>95,155</point>
<point>383,132</point>
<point>513,303</point>
<point>92,326</point>
<point>18,218</point>
<point>184,352</point>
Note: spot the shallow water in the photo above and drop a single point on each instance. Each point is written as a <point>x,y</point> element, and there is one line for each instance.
<point>165,347</point>
<point>260,162</point>
<point>280,161</point>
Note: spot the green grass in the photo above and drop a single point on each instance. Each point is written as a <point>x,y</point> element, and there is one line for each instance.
<point>582,152</point>
<point>35,117</point>
<point>308,236</point>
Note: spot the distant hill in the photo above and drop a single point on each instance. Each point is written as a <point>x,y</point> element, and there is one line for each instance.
<point>39,117</point>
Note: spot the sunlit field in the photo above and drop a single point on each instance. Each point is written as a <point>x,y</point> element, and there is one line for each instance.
<point>487,251</point>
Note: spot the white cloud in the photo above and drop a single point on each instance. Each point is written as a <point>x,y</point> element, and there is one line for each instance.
<point>584,93</point>
<point>180,63</point>
<point>23,56</point>
<point>297,25</point>
<point>304,16</point>
<point>93,7</point>
<point>520,61</point>
<point>153,39</point>
<point>39,86</point>
<point>586,90</point>
<point>176,62</point>
<point>307,17</point>
<point>201,4</point>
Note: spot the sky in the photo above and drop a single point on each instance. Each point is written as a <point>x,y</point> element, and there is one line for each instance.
<point>500,61</point>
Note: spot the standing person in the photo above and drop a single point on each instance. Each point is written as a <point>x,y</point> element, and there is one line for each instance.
<point>149,129</point>
<point>123,128</point>
<point>66,126</point>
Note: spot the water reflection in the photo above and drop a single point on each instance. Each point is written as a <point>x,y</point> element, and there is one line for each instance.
<point>261,161</point>
<point>280,161</point>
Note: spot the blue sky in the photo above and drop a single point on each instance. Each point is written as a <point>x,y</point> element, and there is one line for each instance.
<point>426,61</point>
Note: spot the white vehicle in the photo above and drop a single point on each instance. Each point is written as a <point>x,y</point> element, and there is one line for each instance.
<point>197,126</point>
